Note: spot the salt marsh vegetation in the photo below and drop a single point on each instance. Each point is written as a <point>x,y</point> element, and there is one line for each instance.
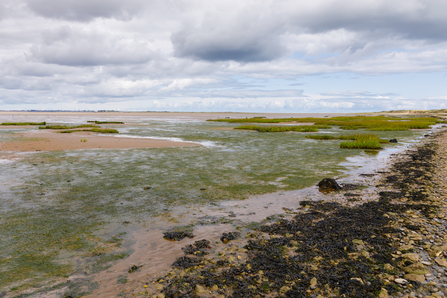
<point>23,123</point>
<point>105,122</point>
<point>277,128</point>
<point>67,126</point>
<point>370,123</point>
<point>360,141</point>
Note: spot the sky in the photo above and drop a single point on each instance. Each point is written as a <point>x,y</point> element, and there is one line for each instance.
<point>240,56</point>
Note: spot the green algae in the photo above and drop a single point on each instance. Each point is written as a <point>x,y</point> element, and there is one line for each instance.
<point>64,202</point>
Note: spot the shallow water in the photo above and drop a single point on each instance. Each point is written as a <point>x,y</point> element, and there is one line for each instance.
<point>59,206</point>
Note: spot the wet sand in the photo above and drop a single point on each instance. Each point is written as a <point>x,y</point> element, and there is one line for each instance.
<point>44,140</point>
<point>425,228</point>
<point>156,254</point>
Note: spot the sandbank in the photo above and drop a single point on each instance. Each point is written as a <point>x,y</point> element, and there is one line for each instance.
<point>44,140</point>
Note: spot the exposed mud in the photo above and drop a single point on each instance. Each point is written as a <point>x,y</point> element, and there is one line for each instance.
<point>329,249</point>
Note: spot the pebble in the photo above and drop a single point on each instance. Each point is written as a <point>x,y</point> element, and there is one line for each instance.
<point>401,281</point>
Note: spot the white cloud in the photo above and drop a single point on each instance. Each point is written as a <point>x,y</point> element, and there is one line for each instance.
<point>83,47</point>
<point>81,10</point>
<point>238,53</point>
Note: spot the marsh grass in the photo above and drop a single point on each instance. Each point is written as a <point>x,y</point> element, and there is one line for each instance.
<point>104,130</point>
<point>66,126</point>
<point>361,141</point>
<point>98,130</point>
<point>23,123</point>
<point>371,123</point>
<point>105,122</point>
<point>361,144</point>
<point>277,128</point>
<point>354,137</point>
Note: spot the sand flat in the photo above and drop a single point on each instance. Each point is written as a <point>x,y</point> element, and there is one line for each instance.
<point>44,140</point>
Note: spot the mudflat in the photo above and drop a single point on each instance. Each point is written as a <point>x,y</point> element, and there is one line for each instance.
<point>54,141</point>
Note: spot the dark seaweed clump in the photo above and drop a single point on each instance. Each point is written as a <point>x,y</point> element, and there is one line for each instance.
<point>229,236</point>
<point>134,268</point>
<point>198,248</point>
<point>177,236</point>
<point>331,250</point>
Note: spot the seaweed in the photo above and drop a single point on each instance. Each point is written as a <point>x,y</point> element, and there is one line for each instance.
<point>197,248</point>
<point>229,236</point>
<point>330,250</point>
<point>177,235</point>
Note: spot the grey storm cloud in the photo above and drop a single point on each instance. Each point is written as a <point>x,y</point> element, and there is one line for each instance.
<point>79,10</point>
<point>67,46</point>
<point>256,33</point>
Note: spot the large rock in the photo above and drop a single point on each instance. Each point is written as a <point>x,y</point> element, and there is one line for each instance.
<point>415,277</point>
<point>328,184</point>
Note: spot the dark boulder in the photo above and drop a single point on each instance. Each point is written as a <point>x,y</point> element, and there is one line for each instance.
<point>328,184</point>
<point>393,141</point>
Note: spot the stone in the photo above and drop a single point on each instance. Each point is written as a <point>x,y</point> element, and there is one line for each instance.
<point>358,242</point>
<point>401,281</point>
<point>388,267</point>
<point>411,256</point>
<point>393,141</point>
<point>417,268</point>
<point>435,251</point>
<point>364,253</point>
<point>383,293</point>
<point>328,184</point>
<point>284,289</point>
<point>441,262</point>
<point>358,279</point>
<point>313,282</point>
<point>406,247</point>
<point>415,277</point>
<point>199,289</point>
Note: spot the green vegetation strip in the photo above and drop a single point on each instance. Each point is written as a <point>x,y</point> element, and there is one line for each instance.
<point>361,141</point>
<point>66,126</point>
<point>24,123</point>
<point>98,130</point>
<point>105,122</point>
<point>297,128</point>
<point>371,123</point>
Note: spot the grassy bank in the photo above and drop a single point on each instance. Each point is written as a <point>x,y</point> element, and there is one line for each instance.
<point>98,130</point>
<point>297,128</point>
<point>371,123</point>
<point>23,123</point>
<point>67,126</point>
<point>360,141</point>
<point>105,122</point>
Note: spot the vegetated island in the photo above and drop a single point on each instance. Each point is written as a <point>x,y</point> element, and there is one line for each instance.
<point>23,123</point>
<point>105,122</point>
<point>391,247</point>
<point>360,141</point>
<point>84,127</point>
<point>370,123</point>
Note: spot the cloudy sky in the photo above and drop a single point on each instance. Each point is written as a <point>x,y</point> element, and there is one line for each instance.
<point>232,55</point>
